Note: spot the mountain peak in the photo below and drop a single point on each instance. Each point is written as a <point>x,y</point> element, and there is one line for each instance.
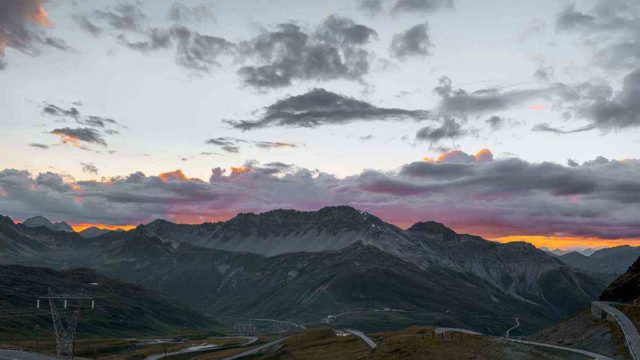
<point>432,227</point>
<point>41,221</point>
<point>6,220</point>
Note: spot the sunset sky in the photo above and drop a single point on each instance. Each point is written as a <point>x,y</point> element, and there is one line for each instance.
<point>510,120</point>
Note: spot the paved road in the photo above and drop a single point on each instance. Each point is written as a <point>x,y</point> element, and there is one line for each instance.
<point>194,349</point>
<point>575,351</point>
<point>257,350</point>
<point>362,336</point>
<point>23,355</point>
<point>628,329</point>
<point>517,325</point>
<point>442,330</point>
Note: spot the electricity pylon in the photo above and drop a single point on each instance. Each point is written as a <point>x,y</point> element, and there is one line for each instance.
<point>65,326</point>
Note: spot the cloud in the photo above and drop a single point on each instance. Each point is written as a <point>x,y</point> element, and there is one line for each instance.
<point>232,145</point>
<point>610,29</point>
<point>89,168</point>
<point>39,146</point>
<point>193,50</point>
<point>77,136</point>
<point>320,107</point>
<point>19,28</point>
<point>545,127</point>
<point>227,144</point>
<point>333,51</point>
<point>496,122</point>
<point>87,25</point>
<point>413,42</point>
<point>463,102</point>
<point>448,129</point>
<point>274,145</point>
<point>181,13</point>
<point>619,111</point>
<point>123,16</point>
<point>471,193</point>
<point>371,7</point>
<point>421,6</point>
<point>74,114</point>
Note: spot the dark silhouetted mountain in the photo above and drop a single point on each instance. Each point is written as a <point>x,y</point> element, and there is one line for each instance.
<point>626,287</point>
<point>614,261</point>
<point>92,232</point>
<point>120,308</point>
<point>38,221</point>
<point>304,266</point>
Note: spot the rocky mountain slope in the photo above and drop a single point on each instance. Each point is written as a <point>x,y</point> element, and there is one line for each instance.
<point>120,308</point>
<point>626,288</point>
<point>614,261</point>
<point>38,221</point>
<point>338,261</point>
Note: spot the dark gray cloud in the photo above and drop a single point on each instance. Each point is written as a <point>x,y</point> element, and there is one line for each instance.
<point>371,7</point>
<point>78,136</point>
<point>545,127</point>
<point>320,107</point>
<point>610,29</point>
<point>496,122</point>
<point>55,110</point>
<point>181,13</point>
<point>89,168</point>
<point>75,114</point>
<point>494,197</point>
<point>274,144</point>
<point>619,111</point>
<point>423,6</point>
<point>193,50</point>
<point>87,25</point>
<point>227,144</point>
<point>123,16</point>
<point>413,42</point>
<point>39,146</point>
<point>333,51</point>
<point>232,145</point>
<point>462,102</point>
<point>449,129</point>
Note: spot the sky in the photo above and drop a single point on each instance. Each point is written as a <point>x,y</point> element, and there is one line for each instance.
<point>513,120</point>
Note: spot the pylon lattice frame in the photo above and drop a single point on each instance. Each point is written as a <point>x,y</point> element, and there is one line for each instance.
<point>65,329</point>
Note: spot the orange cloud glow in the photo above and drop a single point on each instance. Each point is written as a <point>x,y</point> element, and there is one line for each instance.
<point>240,170</point>
<point>177,175</point>
<point>555,242</point>
<point>40,16</point>
<point>484,155</point>
<point>83,226</point>
<point>538,107</point>
<point>481,156</point>
<point>68,139</point>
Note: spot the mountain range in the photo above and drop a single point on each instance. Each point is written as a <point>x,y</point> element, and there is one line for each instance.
<point>305,266</point>
<point>613,261</point>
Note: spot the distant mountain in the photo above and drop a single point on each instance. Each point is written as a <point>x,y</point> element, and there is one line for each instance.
<point>614,261</point>
<point>120,308</point>
<point>626,287</point>
<point>38,221</point>
<point>92,232</point>
<point>304,266</point>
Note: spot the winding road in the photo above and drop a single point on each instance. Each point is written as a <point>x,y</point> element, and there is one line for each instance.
<point>629,330</point>
<point>256,350</point>
<point>594,356</point>
<point>200,348</point>
<point>362,336</point>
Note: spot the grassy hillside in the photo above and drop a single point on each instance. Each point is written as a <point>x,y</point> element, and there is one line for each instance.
<point>121,309</point>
